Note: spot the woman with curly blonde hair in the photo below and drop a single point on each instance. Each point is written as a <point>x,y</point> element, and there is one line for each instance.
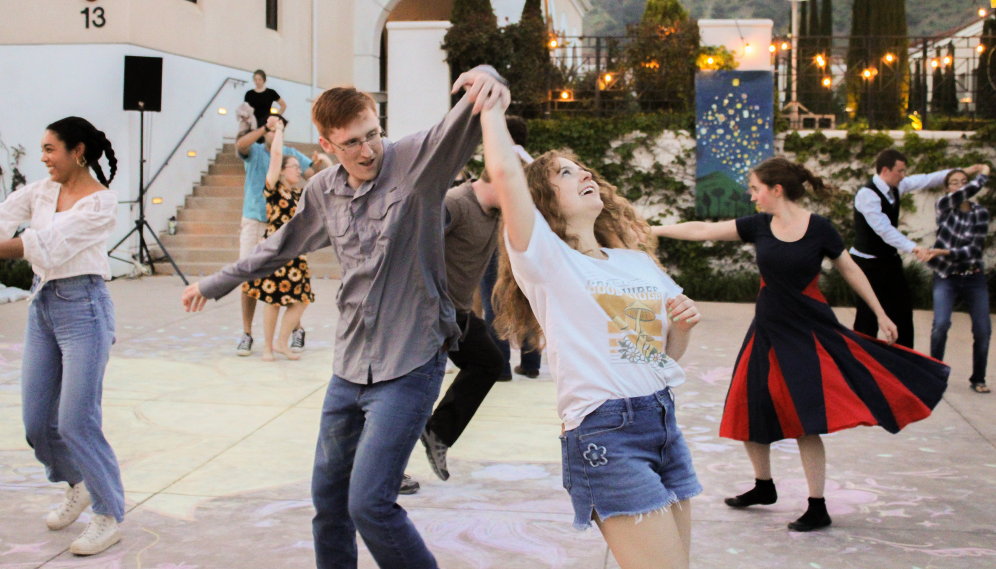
<point>578,271</point>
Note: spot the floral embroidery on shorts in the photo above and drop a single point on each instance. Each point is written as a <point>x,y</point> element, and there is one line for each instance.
<point>595,455</point>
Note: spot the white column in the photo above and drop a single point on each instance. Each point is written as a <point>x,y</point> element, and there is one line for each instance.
<point>418,77</point>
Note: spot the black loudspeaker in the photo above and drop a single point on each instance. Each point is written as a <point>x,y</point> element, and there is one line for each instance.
<point>143,83</point>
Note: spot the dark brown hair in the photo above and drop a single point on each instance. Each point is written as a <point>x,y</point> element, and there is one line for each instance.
<point>888,158</point>
<point>338,107</point>
<point>261,73</point>
<point>618,226</point>
<point>952,173</point>
<point>791,177</point>
<point>73,131</point>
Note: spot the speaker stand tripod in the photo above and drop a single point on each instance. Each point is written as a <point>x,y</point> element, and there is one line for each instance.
<point>141,225</point>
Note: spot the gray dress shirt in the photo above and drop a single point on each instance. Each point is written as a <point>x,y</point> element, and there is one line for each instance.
<point>394,311</point>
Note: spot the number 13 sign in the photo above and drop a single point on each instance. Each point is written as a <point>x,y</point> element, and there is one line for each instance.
<point>93,16</point>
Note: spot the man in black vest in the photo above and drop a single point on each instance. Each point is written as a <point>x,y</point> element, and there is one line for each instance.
<point>878,242</point>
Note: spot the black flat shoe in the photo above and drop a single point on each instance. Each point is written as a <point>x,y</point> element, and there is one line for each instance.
<point>530,373</point>
<point>740,502</point>
<point>762,494</point>
<point>804,524</point>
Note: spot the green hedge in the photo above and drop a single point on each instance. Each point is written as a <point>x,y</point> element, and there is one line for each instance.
<point>16,273</point>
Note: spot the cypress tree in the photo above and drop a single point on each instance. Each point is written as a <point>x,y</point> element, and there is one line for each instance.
<point>474,38</point>
<point>803,62</point>
<point>985,94</point>
<point>937,89</point>
<point>825,105</point>
<point>530,63</point>
<point>888,90</point>
<point>858,53</point>
<point>949,92</point>
<point>664,13</point>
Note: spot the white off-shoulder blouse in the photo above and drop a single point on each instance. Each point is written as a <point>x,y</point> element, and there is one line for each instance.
<point>61,246</point>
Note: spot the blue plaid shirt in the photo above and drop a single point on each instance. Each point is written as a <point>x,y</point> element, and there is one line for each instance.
<point>961,232</point>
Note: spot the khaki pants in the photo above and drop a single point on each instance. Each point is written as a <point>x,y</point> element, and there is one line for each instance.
<point>250,234</point>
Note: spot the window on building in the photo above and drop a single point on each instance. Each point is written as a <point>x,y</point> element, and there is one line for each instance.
<point>271,14</point>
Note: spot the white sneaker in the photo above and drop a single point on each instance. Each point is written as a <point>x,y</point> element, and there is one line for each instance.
<point>101,533</point>
<point>76,500</point>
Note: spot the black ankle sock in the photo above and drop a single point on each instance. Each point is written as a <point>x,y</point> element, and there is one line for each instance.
<point>817,511</point>
<point>763,492</point>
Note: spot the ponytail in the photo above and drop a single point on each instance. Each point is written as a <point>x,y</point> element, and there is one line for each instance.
<point>791,177</point>
<point>73,131</point>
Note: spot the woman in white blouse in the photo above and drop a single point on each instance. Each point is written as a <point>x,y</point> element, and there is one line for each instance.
<point>70,324</point>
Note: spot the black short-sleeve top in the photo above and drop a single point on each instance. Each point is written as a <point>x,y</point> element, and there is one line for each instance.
<point>261,104</point>
<point>791,264</point>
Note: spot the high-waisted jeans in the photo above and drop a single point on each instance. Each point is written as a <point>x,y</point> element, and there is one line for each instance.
<point>66,348</point>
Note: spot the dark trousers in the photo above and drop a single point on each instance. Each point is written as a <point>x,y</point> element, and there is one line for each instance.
<point>888,281</point>
<point>480,362</point>
<point>529,360</point>
<point>974,293</point>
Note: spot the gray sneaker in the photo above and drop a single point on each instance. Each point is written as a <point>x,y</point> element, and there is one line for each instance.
<point>245,345</point>
<point>409,486</point>
<point>435,451</point>
<point>297,341</point>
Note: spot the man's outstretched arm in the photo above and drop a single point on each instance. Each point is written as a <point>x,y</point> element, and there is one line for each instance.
<point>304,233</point>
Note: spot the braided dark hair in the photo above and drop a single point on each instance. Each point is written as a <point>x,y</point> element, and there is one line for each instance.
<point>791,176</point>
<point>73,131</point>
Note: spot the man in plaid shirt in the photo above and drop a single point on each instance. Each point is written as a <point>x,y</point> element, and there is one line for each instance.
<point>962,227</point>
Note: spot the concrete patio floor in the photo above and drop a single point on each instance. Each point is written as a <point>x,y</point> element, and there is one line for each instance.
<point>216,455</point>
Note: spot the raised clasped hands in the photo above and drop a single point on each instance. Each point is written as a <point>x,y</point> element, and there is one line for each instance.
<point>485,89</point>
<point>682,312</point>
<point>887,329</point>
<point>193,300</point>
<point>978,169</point>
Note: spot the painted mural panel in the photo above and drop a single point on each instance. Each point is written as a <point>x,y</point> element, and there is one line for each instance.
<point>734,116</point>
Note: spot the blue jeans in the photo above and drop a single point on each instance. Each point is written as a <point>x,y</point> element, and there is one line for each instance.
<point>367,433</point>
<point>974,293</point>
<point>528,359</point>
<point>66,348</point>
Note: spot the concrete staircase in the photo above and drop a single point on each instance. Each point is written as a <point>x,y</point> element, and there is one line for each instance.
<point>207,232</point>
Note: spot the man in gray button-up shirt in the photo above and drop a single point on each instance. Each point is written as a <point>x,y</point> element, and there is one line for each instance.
<point>381,209</point>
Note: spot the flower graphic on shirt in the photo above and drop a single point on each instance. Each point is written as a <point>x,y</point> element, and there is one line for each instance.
<point>595,455</point>
<point>636,330</point>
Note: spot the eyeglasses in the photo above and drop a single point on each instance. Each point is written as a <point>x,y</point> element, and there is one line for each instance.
<point>292,167</point>
<point>353,146</point>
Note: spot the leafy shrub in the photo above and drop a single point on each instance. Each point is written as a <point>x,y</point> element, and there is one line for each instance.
<point>16,273</point>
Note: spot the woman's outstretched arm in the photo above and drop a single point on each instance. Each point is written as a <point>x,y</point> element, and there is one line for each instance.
<point>276,155</point>
<point>505,168</point>
<point>699,231</point>
<point>859,282</point>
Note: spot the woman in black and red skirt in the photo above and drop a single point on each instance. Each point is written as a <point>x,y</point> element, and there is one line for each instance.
<point>800,373</point>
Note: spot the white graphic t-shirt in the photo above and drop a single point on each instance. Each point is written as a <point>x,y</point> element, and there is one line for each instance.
<point>604,321</point>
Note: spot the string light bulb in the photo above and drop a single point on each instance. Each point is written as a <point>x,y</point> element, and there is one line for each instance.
<point>933,63</point>
<point>980,48</point>
<point>947,60</point>
<point>820,61</point>
<point>608,77</point>
<point>867,73</point>
<point>747,48</point>
<point>771,48</point>
<point>982,12</point>
<point>827,81</point>
<point>222,111</point>
<point>785,45</point>
<point>889,57</point>
<point>710,61</point>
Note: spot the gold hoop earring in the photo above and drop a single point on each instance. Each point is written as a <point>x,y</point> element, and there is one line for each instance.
<point>81,162</point>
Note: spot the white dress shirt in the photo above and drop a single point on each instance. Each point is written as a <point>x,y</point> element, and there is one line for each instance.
<point>71,244</point>
<point>869,204</point>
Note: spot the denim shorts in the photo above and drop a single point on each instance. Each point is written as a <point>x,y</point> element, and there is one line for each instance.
<point>627,458</point>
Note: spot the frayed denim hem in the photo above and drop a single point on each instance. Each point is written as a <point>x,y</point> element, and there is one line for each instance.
<point>581,524</point>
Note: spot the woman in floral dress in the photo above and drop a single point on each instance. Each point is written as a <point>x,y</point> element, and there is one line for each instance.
<point>290,285</point>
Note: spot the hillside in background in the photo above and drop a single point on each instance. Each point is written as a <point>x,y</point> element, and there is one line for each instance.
<point>924,17</point>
